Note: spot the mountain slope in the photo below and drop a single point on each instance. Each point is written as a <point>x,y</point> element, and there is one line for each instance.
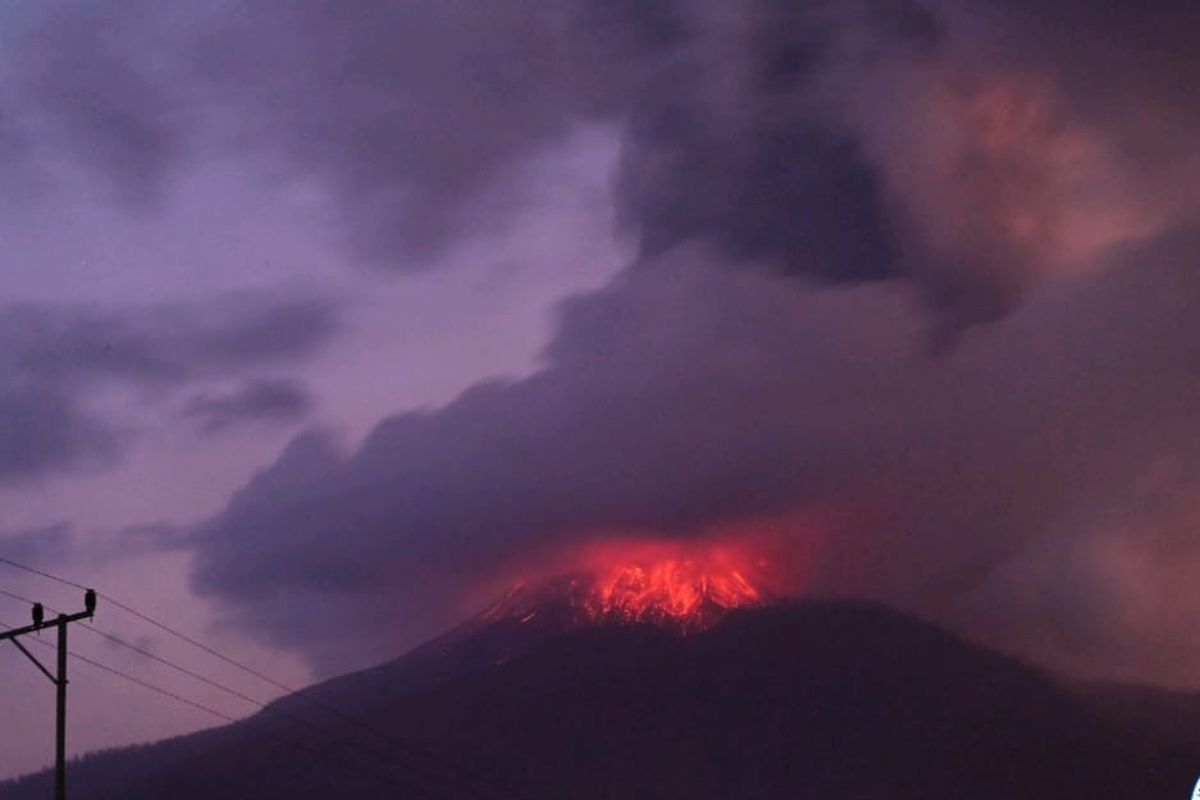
<point>822,700</point>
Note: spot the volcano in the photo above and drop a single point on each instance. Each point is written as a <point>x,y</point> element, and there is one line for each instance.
<point>682,594</point>
<point>691,688</point>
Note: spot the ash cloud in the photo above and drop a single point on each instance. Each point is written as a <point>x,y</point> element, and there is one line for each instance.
<point>694,393</point>
<point>820,191</point>
<point>863,178</point>
<point>56,359</point>
<point>417,116</point>
<point>975,148</point>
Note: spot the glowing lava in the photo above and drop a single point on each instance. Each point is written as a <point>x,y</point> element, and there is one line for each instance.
<point>685,587</point>
<point>684,592</point>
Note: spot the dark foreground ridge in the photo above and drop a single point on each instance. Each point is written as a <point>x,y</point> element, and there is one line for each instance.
<point>820,700</point>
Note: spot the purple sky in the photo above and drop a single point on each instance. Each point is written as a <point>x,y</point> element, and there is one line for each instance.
<point>318,319</point>
<point>401,341</point>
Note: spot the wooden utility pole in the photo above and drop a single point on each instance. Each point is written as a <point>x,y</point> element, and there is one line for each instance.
<point>59,679</point>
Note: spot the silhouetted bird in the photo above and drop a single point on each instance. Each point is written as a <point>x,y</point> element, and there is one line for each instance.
<point>38,614</point>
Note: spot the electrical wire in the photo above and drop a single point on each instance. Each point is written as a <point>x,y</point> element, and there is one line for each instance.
<point>475,783</point>
<point>167,693</point>
<point>264,706</point>
<point>431,781</point>
<point>16,596</point>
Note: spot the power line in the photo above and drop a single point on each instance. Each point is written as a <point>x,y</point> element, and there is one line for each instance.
<point>60,624</point>
<point>156,623</point>
<point>15,596</point>
<point>148,654</point>
<point>155,657</point>
<point>475,783</point>
<point>426,781</point>
<point>43,574</point>
<point>147,685</point>
<point>264,706</point>
<point>144,684</point>
<point>177,667</point>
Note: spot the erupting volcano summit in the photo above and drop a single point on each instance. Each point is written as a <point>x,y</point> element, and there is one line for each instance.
<point>682,592</point>
<point>669,592</point>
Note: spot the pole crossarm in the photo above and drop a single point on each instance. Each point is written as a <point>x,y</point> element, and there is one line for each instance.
<point>61,623</point>
<point>61,619</point>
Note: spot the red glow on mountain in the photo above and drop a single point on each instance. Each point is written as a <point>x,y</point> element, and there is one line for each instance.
<point>684,586</point>
<point>689,592</point>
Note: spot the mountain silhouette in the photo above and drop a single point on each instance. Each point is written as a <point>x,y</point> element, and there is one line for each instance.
<point>827,700</point>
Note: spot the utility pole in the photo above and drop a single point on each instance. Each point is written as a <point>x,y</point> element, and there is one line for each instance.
<point>59,680</point>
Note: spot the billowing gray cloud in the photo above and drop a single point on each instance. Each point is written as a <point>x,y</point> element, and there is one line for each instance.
<point>54,358</point>
<point>690,394</point>
<point>417,115</point>
<point>740,124</point>
<point>847,165</point>
<point>974,147</point>
<point>416,112</point>
<point>409,111</point>
<point>414,115</point>
<point>727,142</point>
<point>257,400</point>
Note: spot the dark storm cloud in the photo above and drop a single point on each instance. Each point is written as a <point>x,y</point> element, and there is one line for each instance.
<point>976,147</point>
<point>407,110</point>
<point>46,429</point>
<point>727,143</point>
<point>165,343</point>
<point>55,358</point>
<point>258,400</point>
<point>777,131</point>
<point>413,114</point>
<point>418,115</point>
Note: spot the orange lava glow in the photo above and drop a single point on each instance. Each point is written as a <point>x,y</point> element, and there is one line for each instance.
<point>686,591</point>
<point>685,586</point>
